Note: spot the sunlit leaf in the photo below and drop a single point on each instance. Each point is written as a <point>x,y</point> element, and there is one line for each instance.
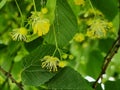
<point>2,3</point>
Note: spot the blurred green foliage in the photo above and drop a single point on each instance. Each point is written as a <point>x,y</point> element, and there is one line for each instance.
<point>67,18</point>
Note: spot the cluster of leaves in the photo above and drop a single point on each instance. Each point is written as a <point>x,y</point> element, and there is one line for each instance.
<point>81,33</point>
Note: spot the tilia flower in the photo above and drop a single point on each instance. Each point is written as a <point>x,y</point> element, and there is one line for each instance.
<point>79,37</point>
<point>19,34</point>
<point>44,10</point>
<point>51,63</point>
<point>98,28</point>
<point>41,27</point>
<point>62,64</point>
<point>40,24</point>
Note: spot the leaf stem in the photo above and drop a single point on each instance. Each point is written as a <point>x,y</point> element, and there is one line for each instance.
<point>54,52</point>
<point>92,8</point>
<point>34,5</point>
<point>42,3</point>
<point>56,43</point>
<point>22,24</point>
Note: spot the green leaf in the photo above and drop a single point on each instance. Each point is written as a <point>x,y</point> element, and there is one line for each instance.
<point>38,4</point>
<point>30,46</point>
<point>13,47</point>
<point>16,70</point>
<point>65,25</point>
<point>112,85</point>
<point>33,74</point>
<point>2,3</point>
<point>105,44</point>
<point>2,46</point>
<point>68,79</point>
<point>94,64</point>
<point>116,23</point>
<point>108,7</point>
<point>51,4</point>
<point>99,87</point>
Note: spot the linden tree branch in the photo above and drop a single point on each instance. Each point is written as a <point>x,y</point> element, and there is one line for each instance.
<point>108,58</point>
<point>7,74</point>
<point>10,69</point>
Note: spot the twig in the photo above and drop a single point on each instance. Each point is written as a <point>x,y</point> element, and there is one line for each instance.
<point>108,58</point>
<point>11,78</point>
<point>6,80</point>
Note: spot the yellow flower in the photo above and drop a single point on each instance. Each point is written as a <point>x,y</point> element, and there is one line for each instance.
<point>50,63</point>
<point>98,28</point>
<point>110,24</point>
<point>41,27</point>
<point>89,22</point>
<point>79,2</point>
<point>44,10</point>
<point>79,37</point>
<point>91,13</point>
<point>19,34</point>
<point>62,64</point>
<point>40,24</point>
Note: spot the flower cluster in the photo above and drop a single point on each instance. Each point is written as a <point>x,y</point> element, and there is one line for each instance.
<point>40,24</point>
<point>95,25</point>
<point>52,63</point>
<point>41,27</point>
<point>19,34</point>
<point>91,13</point>
<point>98,28</point>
